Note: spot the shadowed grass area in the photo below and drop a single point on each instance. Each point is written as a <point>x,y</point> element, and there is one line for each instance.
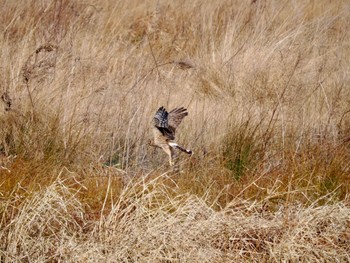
<point>266,87</point>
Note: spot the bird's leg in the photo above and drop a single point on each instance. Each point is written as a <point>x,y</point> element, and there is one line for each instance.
<point>174,160</point>
<point>174,165</point>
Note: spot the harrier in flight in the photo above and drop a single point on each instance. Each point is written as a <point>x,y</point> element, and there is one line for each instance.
<point>165,124</point>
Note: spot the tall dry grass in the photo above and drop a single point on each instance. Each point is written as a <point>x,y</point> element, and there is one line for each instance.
<point>154,222</point>
<point>266,87</point>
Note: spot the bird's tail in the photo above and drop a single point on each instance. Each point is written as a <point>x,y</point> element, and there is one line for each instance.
<point>175,145</point>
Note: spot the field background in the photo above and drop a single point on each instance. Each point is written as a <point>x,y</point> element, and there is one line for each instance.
<point>266,85</point>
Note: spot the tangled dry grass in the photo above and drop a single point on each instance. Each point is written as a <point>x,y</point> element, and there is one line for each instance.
<point>266,85</point>
<point>152,222</point>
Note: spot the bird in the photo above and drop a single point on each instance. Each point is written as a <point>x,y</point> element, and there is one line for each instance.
<point>164,127</point>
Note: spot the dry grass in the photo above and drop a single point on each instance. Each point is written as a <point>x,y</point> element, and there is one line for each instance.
<point>154,222</point>
<point>266,87</point>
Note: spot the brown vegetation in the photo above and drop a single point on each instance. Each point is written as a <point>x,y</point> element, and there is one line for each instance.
<point>266,85</point>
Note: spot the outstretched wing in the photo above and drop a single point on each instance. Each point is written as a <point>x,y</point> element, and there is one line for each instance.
<point>176,116</point>
<point>161,122</point>
<point>161,118</point>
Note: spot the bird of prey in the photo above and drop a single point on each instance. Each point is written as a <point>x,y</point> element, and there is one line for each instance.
<point>165,124</point>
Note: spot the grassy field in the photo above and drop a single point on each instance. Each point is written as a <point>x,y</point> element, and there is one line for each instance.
<point>266,85</point>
